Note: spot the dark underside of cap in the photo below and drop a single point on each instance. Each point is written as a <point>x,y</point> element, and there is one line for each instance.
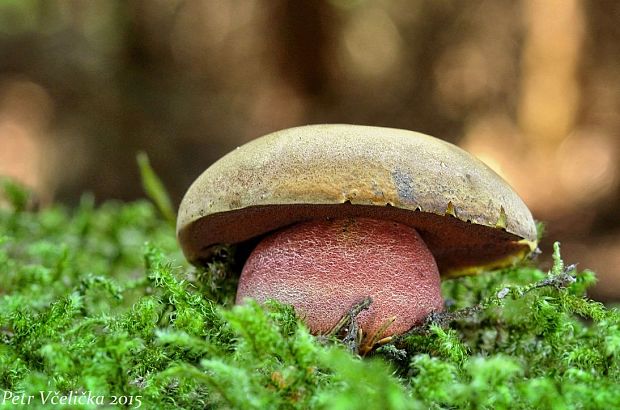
<point>459,247</point>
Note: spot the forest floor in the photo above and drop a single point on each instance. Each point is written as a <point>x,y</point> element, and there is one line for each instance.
<point>98,308</point>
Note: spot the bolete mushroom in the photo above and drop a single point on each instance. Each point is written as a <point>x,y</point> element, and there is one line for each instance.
<point>344,212</point>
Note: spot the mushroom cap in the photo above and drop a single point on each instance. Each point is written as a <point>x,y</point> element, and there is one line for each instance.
<point>469,217</point>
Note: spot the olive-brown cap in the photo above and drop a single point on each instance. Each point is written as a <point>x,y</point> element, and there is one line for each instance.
<point>469,217</point>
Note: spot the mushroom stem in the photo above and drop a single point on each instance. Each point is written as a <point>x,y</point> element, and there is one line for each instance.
<point>323,267</point>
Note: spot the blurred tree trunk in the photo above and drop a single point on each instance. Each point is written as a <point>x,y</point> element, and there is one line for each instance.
<point>303,43</point>
<point>601,103</point>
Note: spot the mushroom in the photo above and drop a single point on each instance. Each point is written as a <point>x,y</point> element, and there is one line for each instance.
<point>339,213</point>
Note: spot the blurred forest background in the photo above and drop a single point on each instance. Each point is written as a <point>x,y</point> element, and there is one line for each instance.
<point>532,87</point>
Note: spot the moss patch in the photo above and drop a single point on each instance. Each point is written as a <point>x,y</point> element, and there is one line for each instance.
<point>98,300</point>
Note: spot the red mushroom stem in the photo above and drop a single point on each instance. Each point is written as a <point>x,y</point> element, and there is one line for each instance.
<point>324,267</point>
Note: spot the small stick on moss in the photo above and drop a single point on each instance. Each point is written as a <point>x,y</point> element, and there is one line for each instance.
<point>558,281</point>
<point>353,339</point>
<point>350,316</point>
<point>441,319</point>
<point>349,323</point>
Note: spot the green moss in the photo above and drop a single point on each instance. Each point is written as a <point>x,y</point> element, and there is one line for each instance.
<point>100,300</point>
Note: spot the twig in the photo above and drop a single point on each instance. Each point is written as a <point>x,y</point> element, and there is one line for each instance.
<point>443,319</point>
<point>348,322</point>
<point>350,315</point>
